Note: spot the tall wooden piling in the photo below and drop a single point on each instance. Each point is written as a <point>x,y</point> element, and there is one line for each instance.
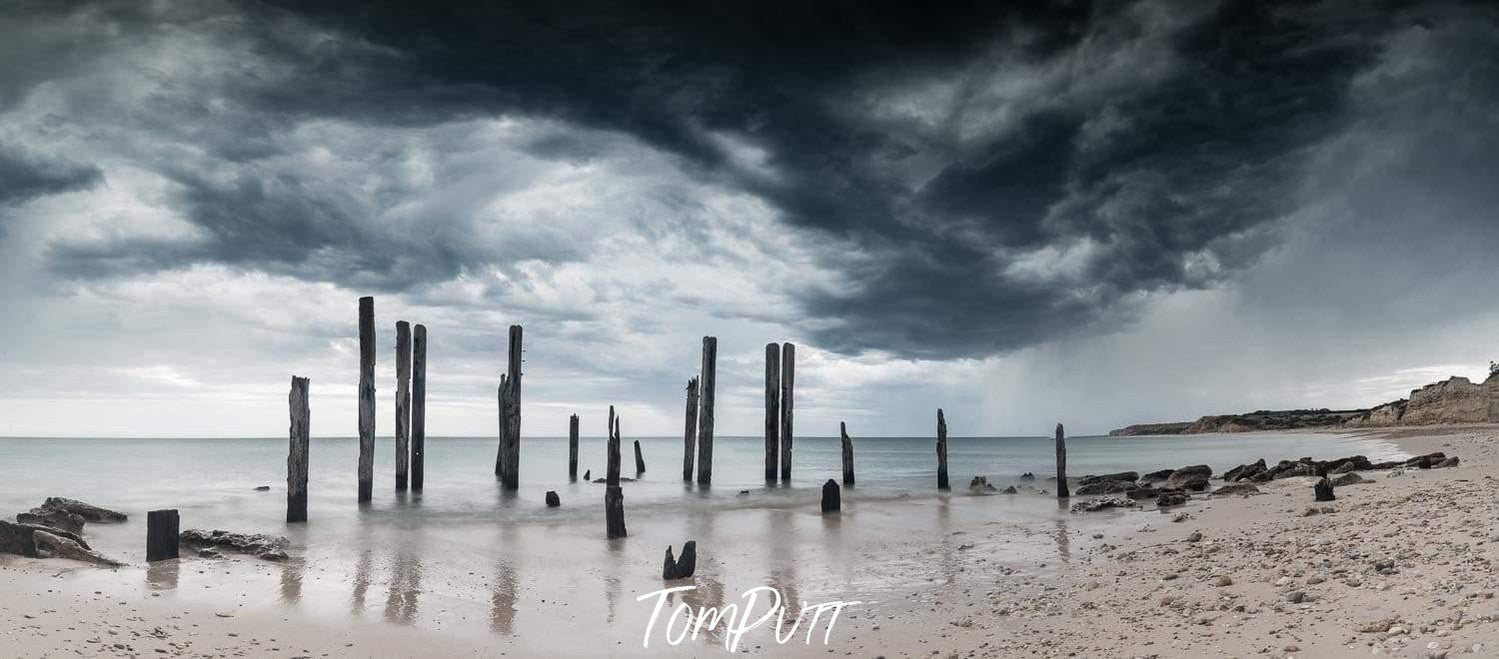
<point>772,411</point>
<point>848,454</point>
<point>941,451</point>
<point>507,463</point>
<point>614,495</point>
<point>705,416</point>
<point>403,404</point>
<point>418,406</point>
<point>1062,491</point>
<point>366,398</point>
<point>639,459</point>
<point>788,385</point>
<point>832,501</point>
<point>689,434</point>
<point>162,537</point>
<point>611,469</point>
<point>572,448</point>
<point>296,456</point>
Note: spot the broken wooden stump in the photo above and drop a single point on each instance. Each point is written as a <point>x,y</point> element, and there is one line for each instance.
<point>296,456</point>
<point>366,398</point>
<point>588,475</point>
<point>418,407</point>
<point>403,404</point>
<point>831,501</point>
<point>1062,492</point>
<point>772,411</point>
<point>705,416</point>
<point>611,446</point>
<point>614,511</point>
<point>788,385</point>
<point>1323,490</point>
<point>552,499</point>
<point>941,451</point>
<point>848,454</point>
<point>680,568</point>
<point>689,433</point>
<point>162,538</point>
<point>572,448</point>
<point>639,460</point>
<point>507,462</point>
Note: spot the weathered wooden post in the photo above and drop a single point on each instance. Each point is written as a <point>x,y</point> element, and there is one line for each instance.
<point>639,460</point>
<point>403,404</point>
<point>772,411</point>
<point>611,456</point>
<point>161,535</point>
<point>572,448</point>
<point>614,495</point>
<point>418,407</point>
<point>683,567</point>
<point>689,435</point>
<point>705,417</point>
<point>1062,492</point>
<point>831,500</point>
<point>848,454</point>
<point>552,499</point>
<point>508,461</point>
<point>296,457</point>
<point>941,451</point>
<point>366,398</point>
<point>788,384</point>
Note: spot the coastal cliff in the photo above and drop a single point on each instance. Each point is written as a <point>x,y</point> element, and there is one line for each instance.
<point>1454,400</point>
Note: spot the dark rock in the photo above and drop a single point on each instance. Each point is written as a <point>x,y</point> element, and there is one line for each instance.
<point>1121,476</point>
<point>831,500</point>
<point>51,545</point>
<point>17,539</point>
<point>269,547</point>
<point>1358,462</point>
<point>1156,476</point>
<point>683,567</point>
<point>743,493</point>
<point>1027,476</point>
<point>1196,483</point>
<point>981,484</point>
<point>1449,462</point>
<point>1349,479</point>
<point>588,475</point>
<point>1345,468</point>
<point>1143,493</point>
<point>1237,488</point>
<point>1259,477</point>
<point>1388,465</point>
<point>210,552</point>
<point>1323,490</point>
<point>1426,461</point>
<point>1094,505</point>
<point>552,499</point>
<point>1010,490</point>
<point>1180,477</point>
<point>263,488</point>
<point>1298,469</point>
<point>1243,470</point>
<point>1105,487</point>
<point>88,512</point>
<point>56,518</point>
<point>605,481</point>
<point>1170,499</point>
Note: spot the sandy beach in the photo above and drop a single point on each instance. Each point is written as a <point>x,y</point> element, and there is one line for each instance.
<point>1396,566</point>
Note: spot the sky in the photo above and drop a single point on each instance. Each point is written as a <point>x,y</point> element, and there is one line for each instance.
<point>1087,213</point>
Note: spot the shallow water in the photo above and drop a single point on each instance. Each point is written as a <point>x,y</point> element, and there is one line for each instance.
<point>463,555</point>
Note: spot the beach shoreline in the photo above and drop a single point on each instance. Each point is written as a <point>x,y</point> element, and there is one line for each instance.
<point>937,575</point>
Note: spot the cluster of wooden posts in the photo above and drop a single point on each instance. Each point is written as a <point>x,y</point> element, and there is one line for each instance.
<point>697,437</point>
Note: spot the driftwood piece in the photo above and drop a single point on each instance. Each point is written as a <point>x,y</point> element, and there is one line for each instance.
<point>572,447</point>
<point>941,451</point>
<point>848,454</point>
<point>772,411</point>
<point>418,406</point>
<point>296,455</point>
<point>639,460</point>
<point>1062,492</point>
<point>705,417</point>
<point>689,432</point>
<point>831,501</point>
<point>403,404</point>
<point>788,399</point>
<point>680,568</point>
<point>162,539</point>
<point>366,398</point>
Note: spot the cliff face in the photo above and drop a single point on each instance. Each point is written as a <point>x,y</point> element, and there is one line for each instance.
<point>1454,400</point>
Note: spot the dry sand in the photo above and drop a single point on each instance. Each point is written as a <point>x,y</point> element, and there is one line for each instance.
<point>1397,566</point>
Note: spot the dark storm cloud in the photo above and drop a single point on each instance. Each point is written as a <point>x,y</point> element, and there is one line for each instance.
<point>990,174</point>
<point>24,177</point>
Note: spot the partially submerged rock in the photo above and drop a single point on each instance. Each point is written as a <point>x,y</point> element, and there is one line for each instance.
<point>1157,476</point>
<point>35,541</point>
<point>268,547</point>
<point>1244,471</point>
<point>56,518</point>
<point>1120,476</point>
<point>51,545</point>
<point>1195,475</point>
<point>1105,487</point>
<point>552,499</point>
<point>88,512</point>
<point>1238,488</point>
<point>1096,505</point>
<point>981,484</point>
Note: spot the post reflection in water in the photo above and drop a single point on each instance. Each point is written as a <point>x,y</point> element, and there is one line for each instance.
<point>361,582</point>
<point>405,583</point>
<point>162,575</point>
<point>502,610</point>
<point>708,593</point>
<point>291,581</point>
<point>1064,541</point>
<point>781,536</point>
<point>947,563</point>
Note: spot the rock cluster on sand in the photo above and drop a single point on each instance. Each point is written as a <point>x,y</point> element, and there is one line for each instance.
<point>55,530</point>
<point>268,547</point>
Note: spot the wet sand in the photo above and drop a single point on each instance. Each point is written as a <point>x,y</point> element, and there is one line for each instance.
<point>937,575</point>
